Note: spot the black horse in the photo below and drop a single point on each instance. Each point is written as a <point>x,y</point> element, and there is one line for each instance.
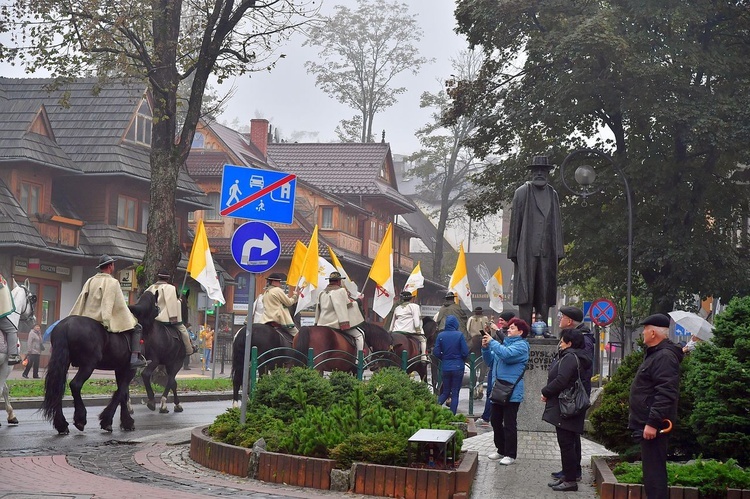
<point>83,342</point>
<point>274,350</point>
<point>163,346</point>
<point>410,344</point>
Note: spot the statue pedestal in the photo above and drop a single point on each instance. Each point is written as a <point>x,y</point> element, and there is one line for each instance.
<point>543,350</point>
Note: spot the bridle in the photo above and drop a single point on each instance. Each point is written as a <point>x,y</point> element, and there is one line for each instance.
<point>28,308</point>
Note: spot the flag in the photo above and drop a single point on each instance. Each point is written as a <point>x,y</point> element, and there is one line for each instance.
<point>460,280</point>
<point>382,273</point>
<point>324,272</point>
<point>494,289</point>
<point>201,265</point>
<point>415,280</point>
<point>350,285</point>
<point>295,268</point>
<point>308,280</point>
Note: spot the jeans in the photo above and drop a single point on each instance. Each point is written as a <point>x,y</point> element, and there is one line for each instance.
<point>207,356</point>
<point>487,414</point>
<point>505,428</point>
<point>451,388</point>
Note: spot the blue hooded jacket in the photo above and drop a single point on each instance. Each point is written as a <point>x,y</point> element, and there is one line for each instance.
<point>507,361</point>
<point>451,347</point>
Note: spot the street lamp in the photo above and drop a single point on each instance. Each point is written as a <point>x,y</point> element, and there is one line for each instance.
<point>585,176</point>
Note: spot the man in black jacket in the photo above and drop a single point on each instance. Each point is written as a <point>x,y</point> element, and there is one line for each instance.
<point>653,400</point>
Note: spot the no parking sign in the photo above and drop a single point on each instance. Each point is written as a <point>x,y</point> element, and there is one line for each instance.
<point>603,312</point>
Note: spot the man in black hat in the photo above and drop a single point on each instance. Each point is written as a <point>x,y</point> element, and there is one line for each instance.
<point>654,394</point>
<point>407,319</point>
<point>276,304</point>
<point>336,310</point>
<point>535,244</point>
<point>170,308</point>
<point>450,307</point>
<point>101,299</point>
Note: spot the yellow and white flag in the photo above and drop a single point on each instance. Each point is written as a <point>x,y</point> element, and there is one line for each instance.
<point>382,274</point>
<point>460,280</point>
<point>308,280</point>
<point>350,285</point>
<point>201,265</point>
<point>415,280</point>
<point>295,266</point>
<point>495,290</point>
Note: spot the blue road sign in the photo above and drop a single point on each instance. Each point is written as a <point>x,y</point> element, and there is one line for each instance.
<point>603,312</point>
<point>586,310</point>
<point>255,194</point>
<point>256,247</point>
<point>681,331</point>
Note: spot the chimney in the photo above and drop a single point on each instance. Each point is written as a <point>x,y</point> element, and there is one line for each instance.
<point>259,135</point>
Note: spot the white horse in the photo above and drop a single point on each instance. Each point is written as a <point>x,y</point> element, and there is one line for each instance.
<point>24,301</point>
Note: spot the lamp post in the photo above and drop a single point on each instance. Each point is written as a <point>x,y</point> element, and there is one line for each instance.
<point>585,176</point>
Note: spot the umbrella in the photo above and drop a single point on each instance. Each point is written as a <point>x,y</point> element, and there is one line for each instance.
<point>694,324</point>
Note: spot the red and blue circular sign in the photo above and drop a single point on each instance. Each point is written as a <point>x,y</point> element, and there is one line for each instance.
<point>603,312</point>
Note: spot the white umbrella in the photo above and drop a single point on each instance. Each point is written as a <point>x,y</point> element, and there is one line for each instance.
<point>694,324</point>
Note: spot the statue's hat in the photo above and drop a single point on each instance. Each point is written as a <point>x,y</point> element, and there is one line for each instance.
<point>540,161</point>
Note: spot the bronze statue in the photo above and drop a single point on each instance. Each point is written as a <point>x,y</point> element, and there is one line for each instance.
<point>535,244</point>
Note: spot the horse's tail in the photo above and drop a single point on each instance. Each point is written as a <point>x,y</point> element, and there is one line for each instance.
<point>238,361</point>
<point>57,373</point>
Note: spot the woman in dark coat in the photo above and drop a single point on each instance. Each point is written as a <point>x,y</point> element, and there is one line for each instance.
<point>563,374</point>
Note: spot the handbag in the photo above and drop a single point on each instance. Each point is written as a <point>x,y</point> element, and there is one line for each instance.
<point>502,390</point>
<point>574,400</point>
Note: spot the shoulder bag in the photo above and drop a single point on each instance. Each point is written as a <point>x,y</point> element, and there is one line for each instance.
<point>502,390</point>
<point>574,400</point>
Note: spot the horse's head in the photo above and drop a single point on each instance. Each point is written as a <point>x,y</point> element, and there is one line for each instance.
<point>146,309</point>
<point>429,328</point>
<point>24,300</point>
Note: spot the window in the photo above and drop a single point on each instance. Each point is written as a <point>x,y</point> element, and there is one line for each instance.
<point>191,216</point>
<point>140,129</point>
<point>327,218</point>
<point>144,218</point>
<point>126,212</point>
<point>31,197</point>
<point>213,213</point>
<point>199,141</point>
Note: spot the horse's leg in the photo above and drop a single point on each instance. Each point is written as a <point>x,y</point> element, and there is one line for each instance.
<point>169,370</point>
<point>146,377</point>
<point>79,414</point>
<point>12,420</point>
<point>122,398</point>
<point>173,376</point>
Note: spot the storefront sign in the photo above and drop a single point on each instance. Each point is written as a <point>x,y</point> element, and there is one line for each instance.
<point>32,267</point>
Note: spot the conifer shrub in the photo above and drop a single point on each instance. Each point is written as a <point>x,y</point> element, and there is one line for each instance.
<point>289,392</point>
<point>379,448</point>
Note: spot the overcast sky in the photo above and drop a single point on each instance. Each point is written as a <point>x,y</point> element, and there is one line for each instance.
<point>289,99</point>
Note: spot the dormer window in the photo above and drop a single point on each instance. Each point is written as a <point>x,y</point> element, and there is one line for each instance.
<point>140,128</point>
<point>199,141</point>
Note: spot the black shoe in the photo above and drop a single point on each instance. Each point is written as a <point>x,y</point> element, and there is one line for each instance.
<point>560,475</point>
<point>139,362</point>
<point>36,377</point>
<point>555,482</point>
<point>25,376</point>
<point>566,487</point>
<point>185,368</point>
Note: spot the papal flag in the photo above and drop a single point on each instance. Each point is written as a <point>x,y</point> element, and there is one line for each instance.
<point>308,280</point>
<point>350,285</point>
<point>494,289</point>
<point>295,267</point>
<point>415,280</point>
<point>201,265</point>
<point>382,274</point>
<point>460,280</point>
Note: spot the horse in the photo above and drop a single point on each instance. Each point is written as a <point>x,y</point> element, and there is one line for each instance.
<point>335,351</point>
<point>408,343</point>
<point>85,343</point>
<point>163,346</point>
<point>274,350</point>
<point>23,300</point>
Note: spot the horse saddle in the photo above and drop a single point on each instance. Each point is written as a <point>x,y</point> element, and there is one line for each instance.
<point>350,339</point>
<point>283,331</point>
<point>172,332</point>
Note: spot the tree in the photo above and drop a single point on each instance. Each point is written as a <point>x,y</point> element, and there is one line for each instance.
<point>162,43</point>
<point>362,51</point>
<point>445,164</point>
<point>663,89</point>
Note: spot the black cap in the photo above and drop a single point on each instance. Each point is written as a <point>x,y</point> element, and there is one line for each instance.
<point>275,277</point>
<point>163,274</point>
<point>406,295</point>
<point>450,295</point>
<point>478,309</point>
<point>658,320</point>
<point>506,316</point>
<point>540,161</point>
<point>104,261</point>
<point>574,313</point>
<point>335,276</point>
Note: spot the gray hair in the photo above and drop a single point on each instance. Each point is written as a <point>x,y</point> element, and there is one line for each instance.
<point>663,331</point>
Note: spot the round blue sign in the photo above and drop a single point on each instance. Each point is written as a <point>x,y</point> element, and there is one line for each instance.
<point>603,312</point>
<point>256,247</point>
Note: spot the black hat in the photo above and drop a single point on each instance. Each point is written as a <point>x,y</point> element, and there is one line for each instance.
<point>478,309</point>
<point>540,161</point>
<point>506,316</point>
<point>574,313</point>
<point>275,277</point>
<point>450,295</point>
<point>335,276</point>
<point>658,320</point>
<point>406,295</point>
<point>163,274</point>
<point>104,261</point>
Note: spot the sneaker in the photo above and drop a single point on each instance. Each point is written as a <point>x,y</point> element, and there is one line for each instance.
<point>14,359</point>
<point>495,456</point>
<point>481,422</point>
<point>506,461</point>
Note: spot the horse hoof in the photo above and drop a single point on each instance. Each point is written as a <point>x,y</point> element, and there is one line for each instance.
<point>13,422</point>
<point>107,428</point>
<point>163,410</point>
<point>178,408</point>
<point>151,405</point>
<point>79,426</point>
<point>123,428</point>
<point>63,432</point>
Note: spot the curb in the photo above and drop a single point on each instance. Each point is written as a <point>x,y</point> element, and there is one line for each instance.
<point>95,401</point>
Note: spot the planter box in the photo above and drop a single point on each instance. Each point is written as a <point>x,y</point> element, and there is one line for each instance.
<point>609,488</point>
<point>365,478</point>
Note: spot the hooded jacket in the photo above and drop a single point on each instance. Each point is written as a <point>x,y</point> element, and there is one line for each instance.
<point>562,374</point>
<point>450,346</point>
<point>590,346</point>
<point>656,388</point>
<point>507,361</point>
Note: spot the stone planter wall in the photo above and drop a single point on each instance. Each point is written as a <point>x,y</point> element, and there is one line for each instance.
<point>609,488</point>
<point>364,478</point>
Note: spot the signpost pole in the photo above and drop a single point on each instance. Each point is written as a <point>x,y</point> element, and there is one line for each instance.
<point>248,348</point>
<point>216,341</point>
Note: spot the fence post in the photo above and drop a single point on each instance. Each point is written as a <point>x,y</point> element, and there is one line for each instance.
<point>310,358</point>
<point>404,361</point>
<point>360,364</point>
<point>253,370</point>
<point>472,381</point>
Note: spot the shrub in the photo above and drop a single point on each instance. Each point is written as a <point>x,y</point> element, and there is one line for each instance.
<point>396,389</point>
<point>288,392</point>
<point>380,448</point>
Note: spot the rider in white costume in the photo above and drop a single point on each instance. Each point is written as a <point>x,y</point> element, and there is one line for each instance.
<point>7,307</point>
<point>336,310</point>
<point>170,307</point>
<point>407,320</point>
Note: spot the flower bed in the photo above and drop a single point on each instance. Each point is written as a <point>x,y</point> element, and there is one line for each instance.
<point>363,478</point>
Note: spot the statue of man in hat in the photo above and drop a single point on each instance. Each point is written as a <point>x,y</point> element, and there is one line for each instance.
<point>535,244</point>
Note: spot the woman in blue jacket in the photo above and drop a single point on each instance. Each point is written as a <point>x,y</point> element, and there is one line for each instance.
<point>452,350</point>
<point>507,361</point>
